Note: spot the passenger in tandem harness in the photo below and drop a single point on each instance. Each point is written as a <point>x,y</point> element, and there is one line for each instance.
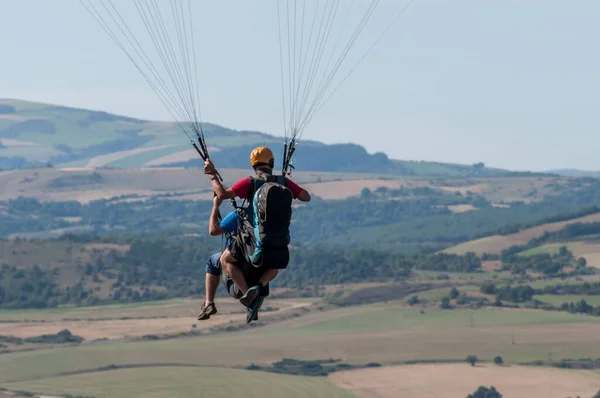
<point>263,235</point>
<point>228,226</point>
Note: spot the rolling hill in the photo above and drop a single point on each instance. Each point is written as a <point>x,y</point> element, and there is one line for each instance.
<point>36,134</point>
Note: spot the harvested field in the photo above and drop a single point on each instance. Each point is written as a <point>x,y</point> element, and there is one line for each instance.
<point>38,183</point>
<point>477,188</point>
<point>345,189</point>
<point>459,380</point>
<point>461,208</point>
<point>490,266</point>
<point>495,244</point>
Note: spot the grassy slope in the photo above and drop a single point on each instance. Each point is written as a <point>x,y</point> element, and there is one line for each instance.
<point>81,129</point>
<point>185,382</point>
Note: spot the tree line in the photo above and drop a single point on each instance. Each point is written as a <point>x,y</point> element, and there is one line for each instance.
<point>154,268</point>
<point>546,263</point>
<point>418,222</point>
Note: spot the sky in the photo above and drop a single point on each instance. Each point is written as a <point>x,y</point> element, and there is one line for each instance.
<point>513,84</point>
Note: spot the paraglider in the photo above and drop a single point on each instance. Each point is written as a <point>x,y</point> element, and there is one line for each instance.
<point>315,38</point>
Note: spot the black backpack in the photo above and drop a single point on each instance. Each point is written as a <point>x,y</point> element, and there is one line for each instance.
<point>270,210</point>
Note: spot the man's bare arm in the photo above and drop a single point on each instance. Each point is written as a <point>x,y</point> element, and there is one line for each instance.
<point>214,226</point>
<point>304,196</point>
<point>218,188</point>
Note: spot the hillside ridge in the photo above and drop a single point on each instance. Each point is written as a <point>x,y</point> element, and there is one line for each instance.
<point>39,134</point>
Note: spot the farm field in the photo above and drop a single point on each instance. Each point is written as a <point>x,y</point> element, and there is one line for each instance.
<point>557,300</point>
<point>459,276</point>
<point>184,382</point>
<point>133,320</point>
<point>538,284</point>
<point>588,250</point>
<point>438,294</point>
<point>459,380</point>
<point>86,183</point>
<point>355,335</point>
<point>495,244</point>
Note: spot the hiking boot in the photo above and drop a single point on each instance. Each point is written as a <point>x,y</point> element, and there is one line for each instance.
<point>253,309</point>
<point>206,311</point>
<point>247,299</point>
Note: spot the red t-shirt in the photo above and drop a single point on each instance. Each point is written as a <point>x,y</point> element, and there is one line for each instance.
<point>242,188</point>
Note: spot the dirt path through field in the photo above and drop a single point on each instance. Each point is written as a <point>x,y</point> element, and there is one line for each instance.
<point>124,328</point>
<point>459,380</point>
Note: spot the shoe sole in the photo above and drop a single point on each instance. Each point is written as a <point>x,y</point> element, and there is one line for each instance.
<point>249,298</point>
<point>254,310</point>
<point>206,315</point>
<point>254,318</point>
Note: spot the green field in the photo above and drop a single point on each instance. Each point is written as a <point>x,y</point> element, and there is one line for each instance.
<point>460,276</point>
<point>557,300</point>
<point>406,319</point>
<point>144,157</point>
<point>545,249</point>
<point>184,382</point>
<point>439,294</point>
<point>540,284</point>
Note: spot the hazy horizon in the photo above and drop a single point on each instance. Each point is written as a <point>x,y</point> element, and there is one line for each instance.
<point>508,83</point>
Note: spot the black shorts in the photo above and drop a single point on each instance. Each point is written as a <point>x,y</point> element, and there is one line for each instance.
<point>275,259</point>
<point>270,259</point>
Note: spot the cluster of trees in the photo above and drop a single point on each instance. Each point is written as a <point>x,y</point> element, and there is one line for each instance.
<point>576,288</point>
<point>62,337</point>
<point>568,232</point>
<point>581,307</point>
<point>525,293</point>
<point>29,287</point>
<point>450,262</point>
<point>545,263</point>
<point>485,392</point>
<point>517,294</point>
<point>316,367</point>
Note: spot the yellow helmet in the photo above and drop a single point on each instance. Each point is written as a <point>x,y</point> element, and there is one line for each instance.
<point>262,154</point>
